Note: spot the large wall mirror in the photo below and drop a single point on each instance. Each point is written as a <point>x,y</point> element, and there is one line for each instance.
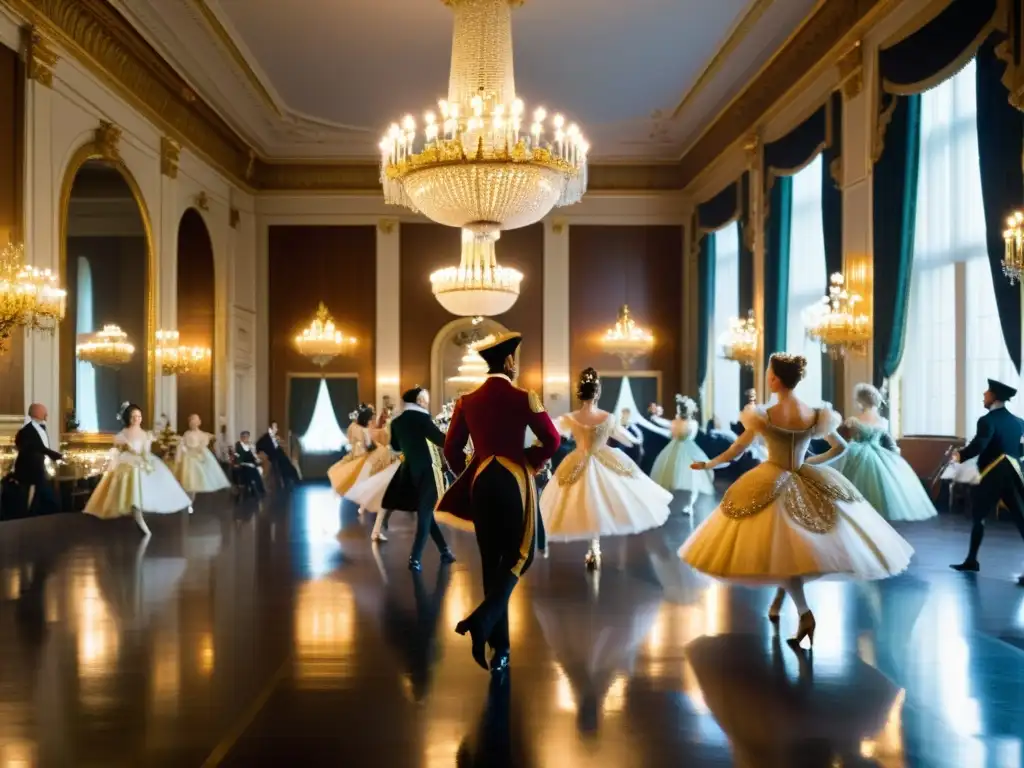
<point>196,301</point>
<point>106,259</point>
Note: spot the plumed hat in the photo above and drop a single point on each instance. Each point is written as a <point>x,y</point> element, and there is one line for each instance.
<point>1002,392</point>
<point>495,352</point>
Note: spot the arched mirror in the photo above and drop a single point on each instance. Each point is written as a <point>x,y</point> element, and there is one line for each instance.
<point>195,318</point>
<point>106,256</point>
<point>455,368</point>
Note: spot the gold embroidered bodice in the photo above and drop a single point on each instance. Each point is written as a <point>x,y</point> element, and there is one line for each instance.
<point>358,437</point>
<point>807,493</point>
<point>591,445</point>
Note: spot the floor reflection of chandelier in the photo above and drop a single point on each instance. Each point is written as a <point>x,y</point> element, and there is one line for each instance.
<point>626,340</point>
<point>1013,260</point>
<point>739,343</point>
<point>176,359</point>
<point>29,297</point>
<point>478,286</point>
<point>108,347</point>
<point>837,323</point>
<point>322,341</point>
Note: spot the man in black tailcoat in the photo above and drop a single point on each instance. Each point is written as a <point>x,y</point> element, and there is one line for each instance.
<point>997,446</point>
<point>270,446</point>
<point>33,446</point>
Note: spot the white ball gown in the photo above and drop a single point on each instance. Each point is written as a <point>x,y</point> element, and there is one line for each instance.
<point>195,466</point>
<point>344,474</point>
<point>873,464</point>
<point>787,519</point>
<point>598,490</point>
<point>671,469</point>
<point>135,478</point>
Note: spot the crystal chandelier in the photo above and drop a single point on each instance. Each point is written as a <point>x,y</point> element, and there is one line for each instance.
<point>108,347</point>
<point>1013,260</point>
<point>626,340</point>
<point>837,323</point>
<point>176,359</point>
<point>29,297</point>
<point>478,286</point>
<point>472,369</point>
<point>322,341</point>
<point>739,343</point>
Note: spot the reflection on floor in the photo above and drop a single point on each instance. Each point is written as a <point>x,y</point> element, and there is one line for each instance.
<point>276,635</point>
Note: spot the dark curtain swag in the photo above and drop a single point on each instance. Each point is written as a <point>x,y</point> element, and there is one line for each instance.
<point>746,275</point>
<point>776,265</point>
<point>302,394</point>
<point>705,305</point>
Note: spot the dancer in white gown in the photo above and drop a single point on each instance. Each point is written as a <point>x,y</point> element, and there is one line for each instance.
<point>380,467</point>
<point>195,466</point>
<point>136,481</point>
<point>671,469</point>
<point>344,474</point>
<point>598,490</point>
<point>789,520</point>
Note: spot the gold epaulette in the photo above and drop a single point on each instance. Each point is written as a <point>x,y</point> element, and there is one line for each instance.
<point>536,404</point>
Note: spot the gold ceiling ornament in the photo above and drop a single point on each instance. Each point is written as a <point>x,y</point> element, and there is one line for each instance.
<point>108,347</point>
<point>41,58</point>
<point>481,163</point>
<point>739,343</point>
<point>837,323</point>
<point>29,297</point>
<point>170,154</point>
<point>1013,259</point>
<point>176,359</point>
<point>321,342</point>
<point>478,286</point>
<point>108,140</point>
<point>626,340</point>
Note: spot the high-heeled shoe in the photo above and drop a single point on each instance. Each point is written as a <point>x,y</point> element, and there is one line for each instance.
<point>447,556</point>
<point>775,609</point>
<point>593,561</point>
<point>478,643</point>
<point>804,629</point>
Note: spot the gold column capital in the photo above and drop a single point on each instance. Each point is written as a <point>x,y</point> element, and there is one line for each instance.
<point>851,71</point>
<point>386,226</point>
<point>170,154</point>
<point>558,225</point>
<point>202,201</point>
<point>107,140</point>
<point>40,57</point>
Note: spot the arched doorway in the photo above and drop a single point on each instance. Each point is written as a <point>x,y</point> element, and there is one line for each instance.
<point>196,317</point>
<point>448,352</point>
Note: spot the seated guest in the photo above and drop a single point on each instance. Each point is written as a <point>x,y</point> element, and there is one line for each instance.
<point>270,447</point>
<point>247,466</point>
<point>33,446</point>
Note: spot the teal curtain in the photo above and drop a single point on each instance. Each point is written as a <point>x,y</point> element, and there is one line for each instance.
<point>705,304</point>
<point>746,275</point>
<point>895,208</point>
<point>832,224</point>
<point>1000,141</point>
<point>776,267</point>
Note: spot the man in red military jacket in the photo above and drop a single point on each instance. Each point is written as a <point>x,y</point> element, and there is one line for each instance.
<point>494,494</point>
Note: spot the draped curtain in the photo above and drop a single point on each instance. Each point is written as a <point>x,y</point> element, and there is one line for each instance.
<point>726,379</point>
<point>302,398</point>
<point>776,265</point>
<point>746,274</point>
<point>344,394</point>
<point>85,376</point>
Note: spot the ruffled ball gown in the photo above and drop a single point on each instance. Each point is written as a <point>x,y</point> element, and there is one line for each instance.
<point>788,519</point>
<point>135,478</point>
<point>380,467</point>
<point>344,474</point>
<point>671,469</point>
<point>195,466</point>
<point>873,464</point>
<point>598,490</point>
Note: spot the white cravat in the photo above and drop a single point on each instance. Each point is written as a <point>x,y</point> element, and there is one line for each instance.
<point>41,429</point>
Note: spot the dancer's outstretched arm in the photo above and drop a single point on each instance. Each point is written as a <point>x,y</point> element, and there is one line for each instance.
<point>730,453</point>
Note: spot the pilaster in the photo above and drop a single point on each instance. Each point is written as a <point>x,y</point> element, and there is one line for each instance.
<point>167,288</point>
<point>557,377</point>
<point>388,341</point>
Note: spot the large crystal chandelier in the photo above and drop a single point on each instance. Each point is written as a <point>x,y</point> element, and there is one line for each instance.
<point>739,342</point>
<point>837,323</point>
<point>472,370</point>
<point>1013,260</point>
<point>108,347</point>
<point>29,297</point>
<point>176,359</point>
<point>322,341</point>
<point>478,286</point>
<point>626,340</point>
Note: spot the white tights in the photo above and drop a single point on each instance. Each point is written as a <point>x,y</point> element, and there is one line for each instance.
<point>795,589</point>
<point>141,521</point>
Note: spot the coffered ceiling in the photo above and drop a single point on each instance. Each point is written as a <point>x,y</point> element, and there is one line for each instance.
<point>320,79</point>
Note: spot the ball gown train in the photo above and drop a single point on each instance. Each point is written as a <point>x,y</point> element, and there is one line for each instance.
<point>135,478</point>
<point>788,519</point>
<point>671,469</point>
<point>195,466</point>
<point>598,490</point>
<point>873,464</point>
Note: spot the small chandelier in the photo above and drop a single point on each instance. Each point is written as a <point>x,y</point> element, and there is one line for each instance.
<point>472,369</point>
<point>626,340</point>
<point>739,343</point>
<point>478,163</point>
<point>837,323</point>
<point>478,286</point>
<point>1013,260</point>
<point>322,341</point>
<point>176,359</point>
<point>29,297</point>
<point>107,348</point>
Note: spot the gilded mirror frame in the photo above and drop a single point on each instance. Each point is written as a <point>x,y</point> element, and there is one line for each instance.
<point>104,147</point>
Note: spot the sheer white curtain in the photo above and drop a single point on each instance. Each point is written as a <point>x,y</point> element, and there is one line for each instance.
<point>808,280</point>
<point>324,434</point>
<point>954,341</point>
<point>726,373</point>
<point>85,375</point>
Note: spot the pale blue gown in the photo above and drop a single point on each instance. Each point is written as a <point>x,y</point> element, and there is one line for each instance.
<point>873,464</point>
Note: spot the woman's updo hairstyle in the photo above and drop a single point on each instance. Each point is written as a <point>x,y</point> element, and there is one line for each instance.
<point>586,387</point>
<point>686,407</point>
<point>868,395</point>
<point>789,369</point>
<point>362,415</point>
<point>126,413</point>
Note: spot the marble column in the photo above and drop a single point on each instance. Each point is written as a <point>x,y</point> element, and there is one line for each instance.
<point>388,341</point>
<point>557,377</point>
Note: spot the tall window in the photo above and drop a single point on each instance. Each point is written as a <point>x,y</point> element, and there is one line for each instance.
<point>85,375</point>
<point>324,434</point>
<point>954,341</point>
<point>808,280</point>
<point>726,373</point>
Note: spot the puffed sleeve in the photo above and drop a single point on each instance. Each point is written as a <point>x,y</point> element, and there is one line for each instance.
<point>828,421</point>
<point>753,418</point>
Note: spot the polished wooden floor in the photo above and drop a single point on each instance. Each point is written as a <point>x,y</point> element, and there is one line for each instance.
<point>274,634</point>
